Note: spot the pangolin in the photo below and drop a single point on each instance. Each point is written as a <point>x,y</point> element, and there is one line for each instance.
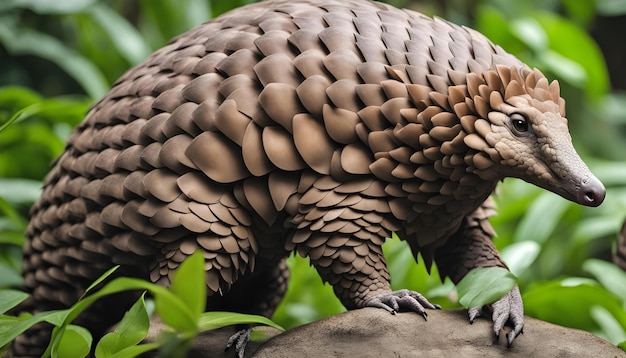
<point>319,127</point>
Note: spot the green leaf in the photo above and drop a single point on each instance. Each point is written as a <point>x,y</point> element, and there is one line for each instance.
<point>568,303</point>
<point>609,275</point>
<point>611,328</point>
<point>572,42</point>
<point>484,285</point>
<point>21,115</point>
<point>9,276</point>
<point>131,330</point>
<point>50,7</point>
<point>217,319</point>
<point>541,218</point>
<point>10,299</point>
<point>13,327</point>
<point>100,279</point>
<point>520,255</point>
<point>124,36</point>
<point>75,343</point>
<point>611,7</point>
<point>20,191</point>
<point>189,283</point>
<point>530,32</point>
<point>29,42</point>
<point>135,351</point>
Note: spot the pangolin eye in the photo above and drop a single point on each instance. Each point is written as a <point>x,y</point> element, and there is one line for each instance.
<point>519,122</point>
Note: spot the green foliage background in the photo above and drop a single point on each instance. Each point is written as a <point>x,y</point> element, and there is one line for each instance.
<point>58,57</point>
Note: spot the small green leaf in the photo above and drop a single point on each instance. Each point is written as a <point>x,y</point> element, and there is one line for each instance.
<point>75,343</point>
<point>174,312</point>
<point>189,284</point>
<point>217,319</point>
<point>135,351</point>
<point>131,330</point>
<point>484,285</point>
<point>103,277</point>
<point>10,299</point>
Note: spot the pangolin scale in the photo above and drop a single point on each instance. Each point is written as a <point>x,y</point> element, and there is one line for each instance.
<point>312,126</point>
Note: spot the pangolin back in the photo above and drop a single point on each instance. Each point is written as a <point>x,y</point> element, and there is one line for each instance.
<point>320,127</point>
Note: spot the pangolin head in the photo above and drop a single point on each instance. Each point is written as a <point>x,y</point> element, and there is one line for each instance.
<point>525,133</point>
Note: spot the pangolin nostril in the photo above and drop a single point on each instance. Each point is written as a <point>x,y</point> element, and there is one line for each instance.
<point>592,192</point>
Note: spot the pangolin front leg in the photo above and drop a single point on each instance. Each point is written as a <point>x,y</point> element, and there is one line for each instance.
<point>344,242</point>
<point>359,276</point>
<point>471,247</point>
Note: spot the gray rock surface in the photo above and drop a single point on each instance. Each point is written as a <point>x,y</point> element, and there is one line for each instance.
<point>371,332</point>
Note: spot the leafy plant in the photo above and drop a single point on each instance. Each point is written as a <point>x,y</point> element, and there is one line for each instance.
<point>181,308</point>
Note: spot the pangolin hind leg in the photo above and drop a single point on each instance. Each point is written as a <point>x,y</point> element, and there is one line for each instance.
<point>471,247</point>
<point>259,293</point>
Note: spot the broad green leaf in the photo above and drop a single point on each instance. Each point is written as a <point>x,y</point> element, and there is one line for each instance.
<point>520,255</point>
<point>29,42</point>
<point>9,276</point>
<point>611,7</point>
<point>131,330</point>
<point>609,275</point>
<point>75,343</point>
<point>124,36</point>
<point>189,283</point>
<point>541,218</point>
<point>49,7</point>
<point>198,11</point>
<point>484,285</point>
<point>217,319</point>
<point>611,329</point>
<point>574,43</point>
<point>10,299</point>
<point>564,68</point>
<point>18,96</point>
<point>20,191</point>
<point>569,303</point>
<point>12,214</point>
<point>530,32</point>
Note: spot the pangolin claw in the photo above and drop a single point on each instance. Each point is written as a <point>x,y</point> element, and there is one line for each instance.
<point>508,309</point>
<point>239,340</point>
<point>401,299</point>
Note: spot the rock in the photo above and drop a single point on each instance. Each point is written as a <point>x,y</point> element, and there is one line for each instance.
<point>371,332</point>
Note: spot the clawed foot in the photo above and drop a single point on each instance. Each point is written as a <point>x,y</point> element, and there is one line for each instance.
<point>401,299</point>
<point>508,309</point>
<point>239,340</point>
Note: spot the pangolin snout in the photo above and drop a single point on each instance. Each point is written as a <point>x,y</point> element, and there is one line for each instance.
<point>591,192</point>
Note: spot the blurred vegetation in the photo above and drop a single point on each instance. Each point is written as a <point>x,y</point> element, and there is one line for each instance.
<point>58,57</point>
